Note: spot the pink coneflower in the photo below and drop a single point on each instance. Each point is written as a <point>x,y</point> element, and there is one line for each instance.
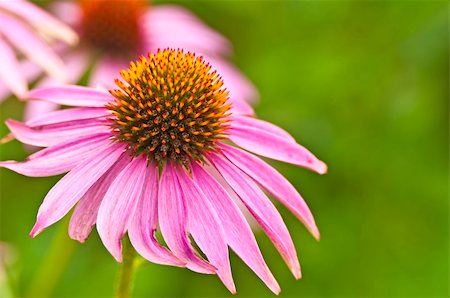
<point>164,151</point>
<point>114,32</point>
<point>27,29</point>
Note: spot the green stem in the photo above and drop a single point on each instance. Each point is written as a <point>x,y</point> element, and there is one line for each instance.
<point>126,270</point>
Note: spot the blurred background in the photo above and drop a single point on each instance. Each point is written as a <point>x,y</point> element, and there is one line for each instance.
<point>363,85</point>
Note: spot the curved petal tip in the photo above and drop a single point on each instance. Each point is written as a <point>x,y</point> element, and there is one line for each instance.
<point>298,275</point>
<point>320,167</point>
<point>315,232</point>
<point>36,229</point>
<point>118,255</point>
<point>295,269</point>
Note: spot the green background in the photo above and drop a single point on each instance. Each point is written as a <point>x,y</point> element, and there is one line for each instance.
<point>363,85</point>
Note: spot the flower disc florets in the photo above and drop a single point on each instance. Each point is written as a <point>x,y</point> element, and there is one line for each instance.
<point>171,106</point>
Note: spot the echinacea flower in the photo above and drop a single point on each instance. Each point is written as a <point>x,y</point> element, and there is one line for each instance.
<point>112,33</point>
<point>27,29</point>
<point>165,152</point>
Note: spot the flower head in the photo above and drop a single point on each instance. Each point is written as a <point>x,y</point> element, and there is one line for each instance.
<point>171,106</point>
<point>29,29</point>
<point>164,152</point>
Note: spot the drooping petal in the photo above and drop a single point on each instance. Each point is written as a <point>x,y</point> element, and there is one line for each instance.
<point>237,231</point>
<point>85,214</point>
<point>119,205</point>
<point>232,194</point>
<point>267,144</point>
<point>53,134</point>
<point>143,227</point>
<point>34,48</point>
<point>261,208</point>
<point>173,221</point>
<point>206,228</point>
<point>69,190</point>
<point>245,122</point>
<point>59,159</point>
<point>10,71</point>
<point>43,21</point>
<point>72,96</point>
<point>274,183</point>
<point>68,115</point>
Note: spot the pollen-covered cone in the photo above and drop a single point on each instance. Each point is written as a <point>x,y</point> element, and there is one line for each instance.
<point>27,30</point>
<point>116,32</point>
<point>165,151</point>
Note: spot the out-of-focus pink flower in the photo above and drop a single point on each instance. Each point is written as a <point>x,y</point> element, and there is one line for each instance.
<point>27,30</point>
<point>165,150</point>
<point>114,32</point>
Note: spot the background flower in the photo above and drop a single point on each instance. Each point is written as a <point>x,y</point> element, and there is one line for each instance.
<point>27,30</point>
<point>114,32</point>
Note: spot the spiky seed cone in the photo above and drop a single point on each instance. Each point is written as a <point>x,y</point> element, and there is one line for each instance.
<point>170,105</point>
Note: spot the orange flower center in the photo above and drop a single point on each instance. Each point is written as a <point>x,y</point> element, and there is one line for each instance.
<point>171,106</point>
<point>112,26</point>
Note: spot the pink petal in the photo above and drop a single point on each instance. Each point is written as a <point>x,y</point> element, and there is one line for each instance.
<point>68,12</point>
<point>60,158</point>
<point>261,208</point>
<point>240,87</point>
<point>237,231</point>
<point>173,221</point>
<point>72,96</point>
<point>4,92</point>
<point>106,70</point>
<point>175,27</point>
<point>76,65</point>
<point>119,204</point>
<point>273,182</point>
<point>29,70</point>
<point>145,222</point>
<point>277,147</point>
<point>10,71</point>
<point>232,194</point>
<point>53,134</point>
<point>38,109</point>
<point>85,213</point>
<point>34,48</point>
<point>250,122</point>
<point>206,228</point>
<point>40,19</point>
<point>67,115</point>
<point>239,107</point>
<point>68,191</point>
